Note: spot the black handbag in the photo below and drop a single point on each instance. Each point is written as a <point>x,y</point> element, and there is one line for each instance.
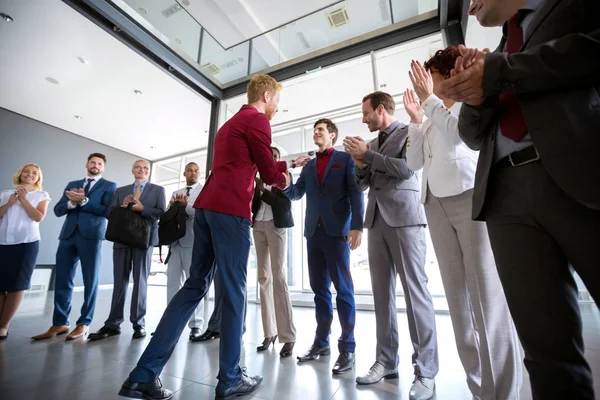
<point>172,224</point>
<point>128,228</point>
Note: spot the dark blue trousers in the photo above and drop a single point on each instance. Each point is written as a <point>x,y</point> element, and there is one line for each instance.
<point>217,237</point>
<point>70,251</point>
<point>329,261</point>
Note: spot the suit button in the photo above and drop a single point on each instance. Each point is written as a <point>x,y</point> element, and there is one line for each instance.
<point>376,189</point>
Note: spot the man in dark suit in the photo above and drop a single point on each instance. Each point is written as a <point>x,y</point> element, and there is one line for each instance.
<point>333,226</point>
<point>221,234</point>
<point>533,110</point>
<point>84,202</point>
<point>148,200</point>
<point>271,216</point>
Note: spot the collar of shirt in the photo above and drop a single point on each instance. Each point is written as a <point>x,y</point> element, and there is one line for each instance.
<point>325,152</point>
<point>95,178</point>
<point>194,186</point>
<point>142,186</point>
<point>390,128</point>
<point>532,5</point>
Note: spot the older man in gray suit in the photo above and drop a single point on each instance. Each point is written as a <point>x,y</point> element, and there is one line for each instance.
<point>396,222</point>
<point>149,201</point>
<point>532,108</point>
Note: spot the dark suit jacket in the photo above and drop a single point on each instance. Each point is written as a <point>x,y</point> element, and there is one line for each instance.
<point>557,80</point>
<point>242,147</point>
<point>337,200</point>
<point>154,201</point>
<point>89,219</point>
<point>280,204</point>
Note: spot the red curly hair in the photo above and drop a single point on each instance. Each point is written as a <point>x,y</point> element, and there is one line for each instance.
<point>443,61</point>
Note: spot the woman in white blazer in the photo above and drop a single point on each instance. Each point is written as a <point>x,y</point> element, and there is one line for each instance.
<point>487,342</point>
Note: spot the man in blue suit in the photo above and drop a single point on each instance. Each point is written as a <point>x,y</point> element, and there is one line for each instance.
<point>333,226</point>
<point>84,202</point>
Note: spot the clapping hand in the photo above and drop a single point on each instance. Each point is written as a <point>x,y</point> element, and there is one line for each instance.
<point>413,107</point>
<point>259,184</point>
<point>180,198</point>
<point>137,205</point>
<point>128,199</point>
<point>21,193</point>
<point>12,200</point>
<point>466,80</point>
<point>76,195</point>
<point>421,80</point>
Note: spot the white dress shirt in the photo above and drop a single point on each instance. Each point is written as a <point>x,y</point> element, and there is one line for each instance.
<point>194,192</point>
<point>70,205</point>
<point>265,212</point>
<point>448,164</point>
<point>15,226</point>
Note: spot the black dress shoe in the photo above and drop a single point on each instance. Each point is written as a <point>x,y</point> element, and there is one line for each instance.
<point>194,333</point>
<point>313,353</point>
<point>208,335</point>
<point>3,337</point>
<point>266,343</point>
<point>103,333</point>
<point>139,332</point>
<point>246,385</point>
<point>150,391</point>
<point>344,362</point>
<point>287,350</point>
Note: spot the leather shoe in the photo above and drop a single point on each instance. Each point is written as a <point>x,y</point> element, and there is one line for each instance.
<point>150,391</point>
<point>422,388</point>
<point>246,385</point>
<point>54,330</point>
<point>103,333</point>
<point>287,349</point>
<point>313,353</point>
<point>376,373</point>
<point>194,333</point>
<point>139,332</point>
<point>266,343</point>
<point>344,362</point>
<point>208,335</point>
<point>79,331</point>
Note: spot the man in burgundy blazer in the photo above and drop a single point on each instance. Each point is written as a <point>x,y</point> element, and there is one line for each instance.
<point>222,236</point>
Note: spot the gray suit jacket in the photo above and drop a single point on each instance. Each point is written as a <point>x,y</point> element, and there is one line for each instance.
<point>557,80</point>
<point>153,199</point>
<point>394,187</point>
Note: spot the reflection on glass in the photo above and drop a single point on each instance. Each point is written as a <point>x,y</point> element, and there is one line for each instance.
<point>224,65</point>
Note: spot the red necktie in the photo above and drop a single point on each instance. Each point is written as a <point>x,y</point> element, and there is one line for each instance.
<point>512,122</point>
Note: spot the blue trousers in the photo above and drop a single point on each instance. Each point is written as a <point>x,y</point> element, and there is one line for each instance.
<point>217,237</point>
<point>70,251</point>
<point>329,261</point>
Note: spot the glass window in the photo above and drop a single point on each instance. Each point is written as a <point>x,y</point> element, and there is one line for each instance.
<point>224,65</point>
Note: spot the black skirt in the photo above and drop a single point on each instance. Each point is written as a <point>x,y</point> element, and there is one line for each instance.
<point>17,262</point>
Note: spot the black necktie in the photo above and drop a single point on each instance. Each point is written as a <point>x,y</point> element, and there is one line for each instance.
<point>322,153</point>
<point>187,190</point>
<point>382,137</point>
<point>86,189</point>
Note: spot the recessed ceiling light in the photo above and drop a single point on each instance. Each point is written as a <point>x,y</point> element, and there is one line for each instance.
<point>178,41</point>
<point>6,17</point>
<point>152,147</point>
<point>142,10</point>
<point>284,111</point>
<point>383,85</point>
<point>82,60</point>
<point>137,92</point>
<point>52,80</point>
<point>78,117</point>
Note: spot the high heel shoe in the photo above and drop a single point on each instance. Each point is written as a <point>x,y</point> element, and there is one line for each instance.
<point>287,350</point>
<point>266,343</point>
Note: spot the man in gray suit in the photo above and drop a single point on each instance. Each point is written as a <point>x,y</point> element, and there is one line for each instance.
<point>149,201</point>
<point>533,110</point>
<point>396,222</point>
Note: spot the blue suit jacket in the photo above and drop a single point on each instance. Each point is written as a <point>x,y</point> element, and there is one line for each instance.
<point>154,201</point>
<point>338,200</point>
<point>89,219</point>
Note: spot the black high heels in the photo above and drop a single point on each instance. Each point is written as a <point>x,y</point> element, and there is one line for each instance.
<point>266,343</point>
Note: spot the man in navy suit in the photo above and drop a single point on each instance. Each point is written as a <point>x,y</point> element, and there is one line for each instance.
<point>84,202</point>
<point>333,226</point>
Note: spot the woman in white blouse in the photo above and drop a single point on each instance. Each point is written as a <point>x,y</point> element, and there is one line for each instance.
<point>21,211</point>
<point>487,342</point>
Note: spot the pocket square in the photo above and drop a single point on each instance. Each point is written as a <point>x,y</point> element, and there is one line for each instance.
<point>336,166</point>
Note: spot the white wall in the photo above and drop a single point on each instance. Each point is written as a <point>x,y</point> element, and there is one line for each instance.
<point>480,37</point>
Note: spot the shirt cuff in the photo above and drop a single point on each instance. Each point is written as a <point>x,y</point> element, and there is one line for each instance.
<point>84,202</point>
<point>70,205</point>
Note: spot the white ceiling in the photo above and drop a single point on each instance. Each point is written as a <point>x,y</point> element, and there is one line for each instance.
<point>479,37</point>
<point>46,40</point>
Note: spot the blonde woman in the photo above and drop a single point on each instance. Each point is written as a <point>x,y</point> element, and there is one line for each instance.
<point>21,211</point>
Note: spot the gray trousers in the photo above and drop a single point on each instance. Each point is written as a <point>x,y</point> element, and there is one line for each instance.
<point>485,335</point>
<point>178,270</point>
<point>125,261</point>
<point>401,251</point>
<point>536,231</point>
<point>275,305</point>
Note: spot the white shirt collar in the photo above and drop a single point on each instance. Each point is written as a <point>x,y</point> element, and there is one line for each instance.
<point>194,186</point>
<point>95,178</point>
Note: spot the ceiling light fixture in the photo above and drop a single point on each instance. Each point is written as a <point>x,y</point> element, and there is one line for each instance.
<point>178,41</point>
<point>284,110</point>
<point>6,17</point>
<point>142,10</point>
<point>52,80</point>
<point>78,117</point>
<point>138,92</point>
<point>82,60</point>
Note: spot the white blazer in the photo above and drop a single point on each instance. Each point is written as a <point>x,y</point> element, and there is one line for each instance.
<point>448,164</point>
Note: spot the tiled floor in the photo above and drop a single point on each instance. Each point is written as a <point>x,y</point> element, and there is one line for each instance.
<point>56,369</point>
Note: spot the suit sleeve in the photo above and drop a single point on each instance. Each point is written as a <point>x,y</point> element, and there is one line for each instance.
<point>156,212</point>
<point>113,203</point>
<point>474,123</point>
<point>101,208</point>
<point>363,175</point>
<point>386,165</point>
<point>277,200</point>
<point>259,142</point>
<point>568,62</point>
<point>357,198</point>
<point>296,190</point>
<point>62,208</point>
